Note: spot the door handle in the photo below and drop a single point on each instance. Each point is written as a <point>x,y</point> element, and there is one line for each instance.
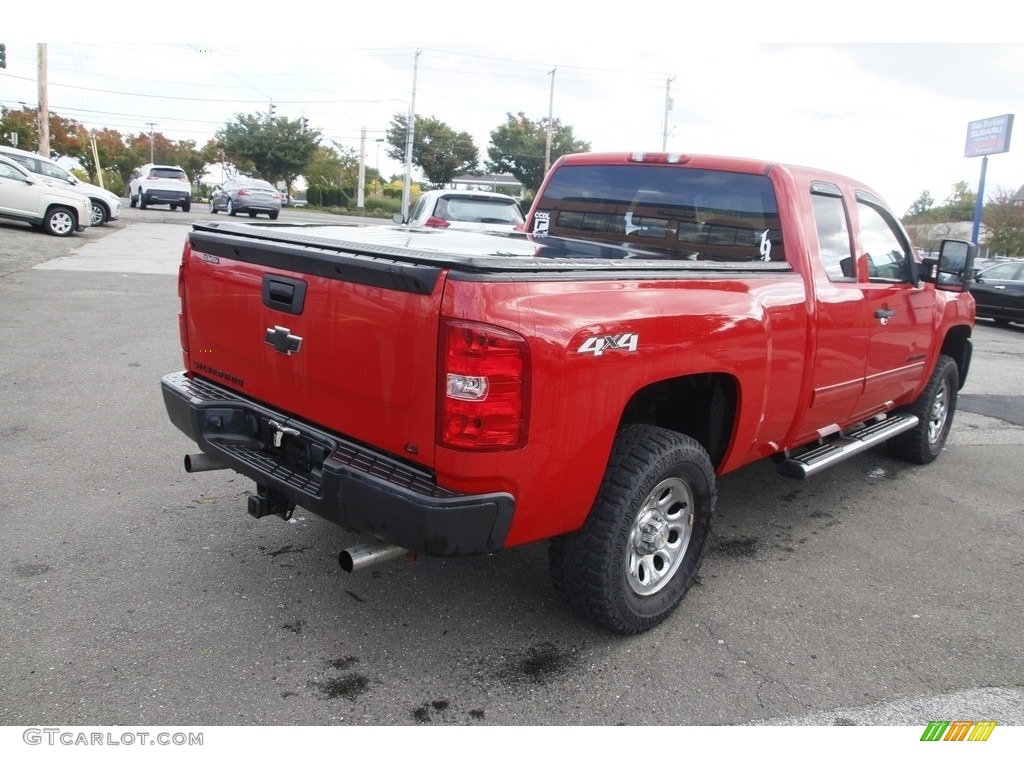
<point>884,314</point>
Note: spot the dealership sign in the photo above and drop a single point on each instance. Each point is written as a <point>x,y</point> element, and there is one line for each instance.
<point>989,136</point>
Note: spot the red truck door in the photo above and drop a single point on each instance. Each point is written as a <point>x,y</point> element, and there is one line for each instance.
<point>899,312</point>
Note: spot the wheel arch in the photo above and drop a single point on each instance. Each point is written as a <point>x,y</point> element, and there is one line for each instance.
<point>702,406</point>
<point>957,344</point>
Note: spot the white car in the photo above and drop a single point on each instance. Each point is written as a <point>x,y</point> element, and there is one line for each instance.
<point>153,184</point>
<point>26,197</point>
<point>106,206</point>
<point>450,208</point>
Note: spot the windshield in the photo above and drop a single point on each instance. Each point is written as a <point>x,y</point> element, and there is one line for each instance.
<point>678,212</point>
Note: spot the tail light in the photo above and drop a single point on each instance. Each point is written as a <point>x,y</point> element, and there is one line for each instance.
<point>243,192</point>
<point>434,221</point>
<point>182,327</point>
<point>484,383</point>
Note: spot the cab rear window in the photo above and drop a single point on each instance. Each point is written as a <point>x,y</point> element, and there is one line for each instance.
<point>675,212</point>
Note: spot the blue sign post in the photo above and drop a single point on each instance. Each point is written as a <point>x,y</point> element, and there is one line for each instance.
<point>986,137</point>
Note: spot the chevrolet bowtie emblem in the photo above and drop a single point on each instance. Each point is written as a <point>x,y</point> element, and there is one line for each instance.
<point>282,340</point>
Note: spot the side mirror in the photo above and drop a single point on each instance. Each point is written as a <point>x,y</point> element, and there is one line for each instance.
<point>398,218</point>
<point>954,267</point>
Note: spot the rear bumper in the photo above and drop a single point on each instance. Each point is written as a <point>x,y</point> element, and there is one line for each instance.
<point>354,486</point>
<point>160,196</point>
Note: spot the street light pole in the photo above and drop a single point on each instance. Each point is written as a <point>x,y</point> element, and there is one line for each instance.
<point>410,127</point>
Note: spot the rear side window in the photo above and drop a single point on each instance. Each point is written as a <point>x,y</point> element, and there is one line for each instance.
<point>834,237</point>
<point>672,211</point>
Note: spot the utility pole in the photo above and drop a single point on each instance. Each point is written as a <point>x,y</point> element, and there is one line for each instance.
<point>43,115</point>
<point>668,108</point>
<point>151,127</point>
<point>410,129</point>
<point>551,113</point>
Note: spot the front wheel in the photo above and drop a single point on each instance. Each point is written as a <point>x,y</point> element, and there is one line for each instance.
<point>633,560</point>
<point>213,208</point>
<point>99,213</point>
<point>934,409</point>
<point>60,222</point>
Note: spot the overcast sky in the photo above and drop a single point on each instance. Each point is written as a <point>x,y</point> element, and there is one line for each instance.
<point>890,113</point>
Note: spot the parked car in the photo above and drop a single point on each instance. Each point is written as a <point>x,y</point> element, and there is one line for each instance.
<point>26,197</point>
<point>105,205</point>
<point>242,195</point>
<point>160,185</point>
<point>998,292</point>
<point>447,208</point>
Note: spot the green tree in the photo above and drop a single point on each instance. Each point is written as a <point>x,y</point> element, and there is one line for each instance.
<point>333,167</point>
<point>921,206</point>
<point>195,161</point>
<point>1004,222</point>
<point>518,146</point>
<point>110,148</point>
<point>959,206</point>
<point>21,122</point>
<point>437,149</point>
<point>275,149</point>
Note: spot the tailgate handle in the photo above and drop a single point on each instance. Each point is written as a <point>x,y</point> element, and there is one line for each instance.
<point>285,294</point>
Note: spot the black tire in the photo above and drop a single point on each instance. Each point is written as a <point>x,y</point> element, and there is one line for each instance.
<point>186,206</point>
<point>633,560</point>
<point>231,207</point>
<point>174,207</point>
<point>252,214</point>
<point>273,215</point>
<point>132,201</point>
<point>60,221</point>
<point>1001,322</point>
<point>142,200</point>
<point>934,409</point>
<point>99,213</point>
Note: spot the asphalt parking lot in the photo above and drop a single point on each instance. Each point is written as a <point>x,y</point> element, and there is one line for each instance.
<point>876,593</point>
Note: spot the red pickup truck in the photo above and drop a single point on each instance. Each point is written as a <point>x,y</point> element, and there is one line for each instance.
<point>665,320</point>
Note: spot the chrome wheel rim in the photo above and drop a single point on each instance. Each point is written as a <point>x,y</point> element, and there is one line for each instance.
<point>98,216</point>
<point>939,414</point>
<point>659,536</point>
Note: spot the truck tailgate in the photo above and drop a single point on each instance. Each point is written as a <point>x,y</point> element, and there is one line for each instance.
<point>343,340</point>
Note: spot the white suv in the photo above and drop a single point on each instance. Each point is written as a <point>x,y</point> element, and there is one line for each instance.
<point>106,206</point>
<point>26,197</point>
<point>160,185</point>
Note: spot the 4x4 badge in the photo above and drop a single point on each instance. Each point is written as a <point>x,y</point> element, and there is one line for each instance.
<point>282,340</point>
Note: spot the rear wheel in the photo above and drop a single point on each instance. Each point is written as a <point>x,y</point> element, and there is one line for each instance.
<point>60,222</point>
<point>633,560</point>
<point>142,199</point>
<point>252,214</point>
<point>186,206</point>
<point>273,214</point>
<point>934,409</point>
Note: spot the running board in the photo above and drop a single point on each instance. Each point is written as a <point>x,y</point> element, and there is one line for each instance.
<point>844,445</point>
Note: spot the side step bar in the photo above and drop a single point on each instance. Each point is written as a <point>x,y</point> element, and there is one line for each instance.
<point>844,445</point>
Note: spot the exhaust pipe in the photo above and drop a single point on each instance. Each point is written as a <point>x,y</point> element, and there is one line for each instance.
<point>364,555</point>
<point>200,462</point>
